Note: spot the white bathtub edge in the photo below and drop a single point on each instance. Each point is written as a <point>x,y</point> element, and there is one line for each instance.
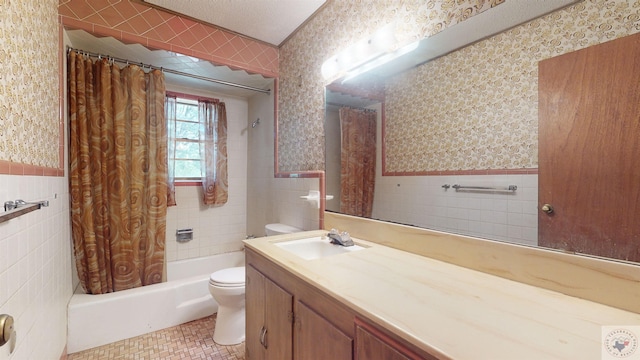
<point>96,320</point>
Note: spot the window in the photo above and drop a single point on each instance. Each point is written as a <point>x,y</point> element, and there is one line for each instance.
<point>197,146</point>
<point>187,142</point>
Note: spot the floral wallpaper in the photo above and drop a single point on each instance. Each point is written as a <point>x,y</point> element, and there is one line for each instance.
<point>475,108</point>
<point>478,107</point>
<point>340,24</point>
<point>29,97</point>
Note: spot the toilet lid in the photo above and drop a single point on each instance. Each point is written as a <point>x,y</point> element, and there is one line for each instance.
<point>228,277</point>
<point>282,228</point>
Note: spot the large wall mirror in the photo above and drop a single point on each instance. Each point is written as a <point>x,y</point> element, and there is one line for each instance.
<point>494,116</point>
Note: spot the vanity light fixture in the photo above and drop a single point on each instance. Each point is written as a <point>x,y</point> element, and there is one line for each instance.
<point>365,51</point>
<point>379,61</point>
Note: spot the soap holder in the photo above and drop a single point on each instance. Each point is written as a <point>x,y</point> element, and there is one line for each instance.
<point>314,197</point>
<point>184,235</point>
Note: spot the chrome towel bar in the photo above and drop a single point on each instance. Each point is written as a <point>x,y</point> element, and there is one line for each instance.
<point>486,188</point>
<point>13,209</point>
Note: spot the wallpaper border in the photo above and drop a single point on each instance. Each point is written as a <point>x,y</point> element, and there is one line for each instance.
<point>239,43</point>
<point>527,171</point>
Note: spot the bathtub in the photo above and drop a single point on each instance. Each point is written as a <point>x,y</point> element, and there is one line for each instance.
<point>95,320</point>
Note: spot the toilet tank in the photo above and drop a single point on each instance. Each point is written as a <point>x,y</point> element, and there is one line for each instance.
<point>277,229</point>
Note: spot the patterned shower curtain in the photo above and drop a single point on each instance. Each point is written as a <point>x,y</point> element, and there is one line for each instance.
<point>117,174</point>
<point>357,161</point>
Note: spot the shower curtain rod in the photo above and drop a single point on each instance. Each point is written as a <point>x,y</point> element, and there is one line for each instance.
<point>170,71</point>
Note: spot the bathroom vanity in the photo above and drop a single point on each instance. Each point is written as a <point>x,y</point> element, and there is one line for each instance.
<point>290,318</point>
<point>383,302</point>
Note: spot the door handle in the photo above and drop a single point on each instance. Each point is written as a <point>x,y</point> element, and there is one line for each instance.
<point>263,337</point>
<point>547,209</point>
<point>6,328</point>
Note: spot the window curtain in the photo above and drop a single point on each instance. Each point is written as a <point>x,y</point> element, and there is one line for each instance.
<point>357,161</point>
<point>117,174</point>
<point>213,134</point>
<point>170,115</point>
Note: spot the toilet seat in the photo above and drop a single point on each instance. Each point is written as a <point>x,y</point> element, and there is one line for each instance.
<point>231,277</point>
<point>277,229</point>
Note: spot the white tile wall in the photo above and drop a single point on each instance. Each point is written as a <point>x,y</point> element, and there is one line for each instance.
<point>260,164</point>
<point>288,208</point>
<point>270,199</point>
<point>421,201</point>
<point>35,267</point>
<point>215,229</point>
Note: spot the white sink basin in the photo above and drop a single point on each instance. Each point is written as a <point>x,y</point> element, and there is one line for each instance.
<point>315,247</point>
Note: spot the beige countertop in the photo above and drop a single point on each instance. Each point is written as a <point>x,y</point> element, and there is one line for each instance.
<point>460,313</point>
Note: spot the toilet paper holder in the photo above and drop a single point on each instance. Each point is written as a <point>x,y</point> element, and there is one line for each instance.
<point>314,197</point>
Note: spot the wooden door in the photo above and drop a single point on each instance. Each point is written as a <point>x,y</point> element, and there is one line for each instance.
<point>269,310</point>
<point>589,150</point>
<point>317,339</point>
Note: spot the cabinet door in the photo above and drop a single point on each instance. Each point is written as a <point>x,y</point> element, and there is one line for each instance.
<point>316,338</point>
<point>371,347</point>
<point>278,336</point>
<point>269,310</point>
<point>255,313</point>
<point>373,344</point>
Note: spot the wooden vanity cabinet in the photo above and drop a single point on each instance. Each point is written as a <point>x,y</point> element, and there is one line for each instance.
<point>286,318</point>
<point>269,311</point>
<point>317,338</point>
<point>373,344</point>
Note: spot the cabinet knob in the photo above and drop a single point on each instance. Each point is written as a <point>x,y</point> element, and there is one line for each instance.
<point>547,209</point>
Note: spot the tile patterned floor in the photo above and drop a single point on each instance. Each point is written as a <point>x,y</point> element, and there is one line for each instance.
<point>192,340</point>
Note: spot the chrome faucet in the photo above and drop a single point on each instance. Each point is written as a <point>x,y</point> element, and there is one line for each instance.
<point>340,238</point>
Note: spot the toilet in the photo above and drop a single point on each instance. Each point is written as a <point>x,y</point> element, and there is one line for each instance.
<point>227,286</point>
<point>279,229</point>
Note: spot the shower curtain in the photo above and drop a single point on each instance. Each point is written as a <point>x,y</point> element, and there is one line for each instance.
<point>357,161</point>
<point>117,174</point>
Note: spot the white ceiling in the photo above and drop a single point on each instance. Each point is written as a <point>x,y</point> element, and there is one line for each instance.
<point>271,21</point>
